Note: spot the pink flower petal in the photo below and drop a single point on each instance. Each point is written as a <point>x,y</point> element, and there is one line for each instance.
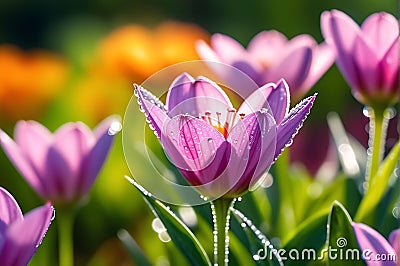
<point>72,142</point>
<point>205,52</point>
<point>380,30</point>
<point>291,124</point>
<point>257,100</point>
<point>293,68</point>
<point>372,243</point>
<point>20,162</point>
<point>298,42</point>
<point>279,101</point>
<point>367,66</point>
<point>193,145</point>
<point>22,237</point>
<point>196,97</point>
<point>252,140</point>
<point>389,70</point>
<point>323,57</point>
<point>154,109</point>
<point>227,48</point>
<point>341,31</point>
<point>9,210</point>
<point>96,156</point>
<point>394,239</point>
<point>266,47</point>
<point>33,140</point>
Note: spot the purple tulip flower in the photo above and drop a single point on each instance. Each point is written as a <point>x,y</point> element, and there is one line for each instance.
<point>270,56</point>
<point>368,57</point>
<point>20,235</point>
<point>221,151</point>
<point>376,250</point>
<point>61,167</point>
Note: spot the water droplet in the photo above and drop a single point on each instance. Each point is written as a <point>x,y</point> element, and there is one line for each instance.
<point>367,111</point>
<point>53,215</point>
<point>158,226</point>
<point>115,127</point>
<point>210,140</point>
<point>164,236</point>
<point>390,113</point>
<point>396,212</point>
<point>188,216</point>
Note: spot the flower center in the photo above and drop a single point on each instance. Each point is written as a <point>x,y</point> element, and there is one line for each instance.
<point>223,127</point>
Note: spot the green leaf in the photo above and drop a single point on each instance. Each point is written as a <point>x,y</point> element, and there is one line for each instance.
<point>308,236</point>
<point>342,189</point>
<point>369,203</point>
<point>342,244</point>
<point>180,234</point>
<point>133,248</point>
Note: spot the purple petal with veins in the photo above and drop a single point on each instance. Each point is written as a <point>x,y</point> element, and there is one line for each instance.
<point>291,124</point>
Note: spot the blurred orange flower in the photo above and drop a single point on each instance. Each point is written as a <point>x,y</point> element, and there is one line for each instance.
<point>136,52</point>
<point>28,81</point>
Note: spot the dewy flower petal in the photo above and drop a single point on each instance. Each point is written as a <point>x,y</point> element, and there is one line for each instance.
<point>195,96</point>
<point>22,235</point>
<point>253,143</point>
<point>194,146</point>
<point>61,167</point>
<point>291,124</point>
<point>226,155</point>
<point>373,78</point>
<point>153,108</point>
<point>269,57</point>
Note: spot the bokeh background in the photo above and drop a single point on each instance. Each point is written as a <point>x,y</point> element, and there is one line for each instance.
<point>74,60</point>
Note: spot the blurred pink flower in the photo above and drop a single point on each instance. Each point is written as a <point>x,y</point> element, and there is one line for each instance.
<point>20,235</point>
<point>216,147</point>
<point>60,167</point>
<point>373,245</point>
<point>368,57</point>
<point>270,56</point>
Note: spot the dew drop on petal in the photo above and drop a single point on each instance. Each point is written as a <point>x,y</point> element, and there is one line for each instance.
<point>115,127</point>
<point>53,215</point>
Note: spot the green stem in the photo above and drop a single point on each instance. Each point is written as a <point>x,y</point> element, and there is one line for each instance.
<point>221,216</point>
<point>285,221</point>
<point>65,222</point>
<point>377,134</point>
